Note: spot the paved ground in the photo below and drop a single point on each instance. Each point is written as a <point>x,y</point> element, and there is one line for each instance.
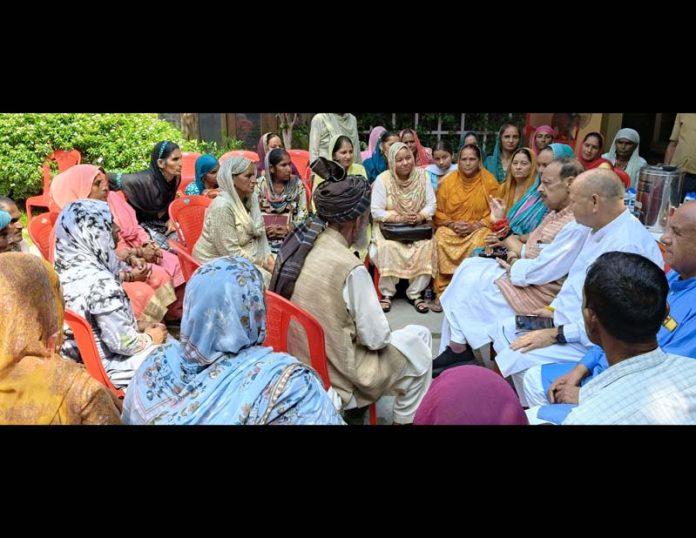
<point>402,314</point>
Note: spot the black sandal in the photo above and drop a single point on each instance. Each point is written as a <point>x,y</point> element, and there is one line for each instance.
<point>386,304</point>
<point>420,305</point>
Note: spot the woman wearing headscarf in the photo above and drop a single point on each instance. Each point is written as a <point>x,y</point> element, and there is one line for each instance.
<point>207,167</point>
<point>402,194</point>
<point>541,137</point>
<point>233,223</point>
<point>624,154</point>
<point>527,212</point>
<point>268,142</point>
<point>420,153</point>
<point>282,198</point>
<point>470,395</point>
<point>326,125</point>
<point>590,151</point>
<point>589,156</point>
<point>87,266</point>
<point>220,373</point>
<point>373,141</point>
<point>5,219</point>
<point>463,215</point>
<point>150,297</point>
<point>37,385</point>
<point>151,191</point>
<point>507,141</point>
<point>377,164</point>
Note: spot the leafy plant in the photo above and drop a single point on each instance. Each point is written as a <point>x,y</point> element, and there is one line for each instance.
<point>119,142</point>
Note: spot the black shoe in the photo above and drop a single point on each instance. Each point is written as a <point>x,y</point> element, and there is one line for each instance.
<point>355,416</point>
<point>448,357</point>
<point>438,371</point>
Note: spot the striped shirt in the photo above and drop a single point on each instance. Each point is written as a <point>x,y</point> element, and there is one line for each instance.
<point>653,388</point>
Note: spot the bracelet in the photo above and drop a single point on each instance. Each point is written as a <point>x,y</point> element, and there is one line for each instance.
<point>497,226</point>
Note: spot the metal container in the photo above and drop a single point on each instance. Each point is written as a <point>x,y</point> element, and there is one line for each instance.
<point>658,194</point>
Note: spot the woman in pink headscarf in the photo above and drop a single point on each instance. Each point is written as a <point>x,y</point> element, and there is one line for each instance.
<point>150,298</point>
<point>541,137</point>
<point>470,395</point>
<point>410,138</point>
<point>375,133</point>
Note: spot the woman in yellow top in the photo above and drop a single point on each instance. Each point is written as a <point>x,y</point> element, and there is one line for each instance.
<point>38,386</point>
<point>463,215</point>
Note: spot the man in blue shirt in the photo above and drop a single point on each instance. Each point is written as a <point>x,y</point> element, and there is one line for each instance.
<point>560,383</point>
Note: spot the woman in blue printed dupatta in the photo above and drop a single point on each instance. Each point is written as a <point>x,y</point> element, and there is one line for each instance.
<point>220,373</point>
<point>528,212</point>
<point>507,141</point>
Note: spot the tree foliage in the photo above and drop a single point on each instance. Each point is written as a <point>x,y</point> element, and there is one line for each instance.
<point>119,142</point>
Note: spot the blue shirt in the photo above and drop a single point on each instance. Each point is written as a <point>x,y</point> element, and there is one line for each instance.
<point>677,335</point>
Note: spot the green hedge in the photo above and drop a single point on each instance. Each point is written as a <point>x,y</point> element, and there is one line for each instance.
<point>119,142</point>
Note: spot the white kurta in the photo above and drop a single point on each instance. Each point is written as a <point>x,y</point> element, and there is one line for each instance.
<point>473,302</point>
<point>413,341</point>
<point>624,234</point>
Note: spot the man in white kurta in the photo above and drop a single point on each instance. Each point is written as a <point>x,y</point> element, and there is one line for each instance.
<point>597,202</point>
<point>473,301</point>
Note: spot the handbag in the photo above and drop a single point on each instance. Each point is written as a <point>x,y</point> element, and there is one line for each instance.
<point>406,233</point>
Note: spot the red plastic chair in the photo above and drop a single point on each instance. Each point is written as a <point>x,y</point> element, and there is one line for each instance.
<point>40,232</point>
<point>189,264</point>
<point>251,155</point>
<point>84,337</point>
<point>188,213</point>
<point>279,312</point>
<point>300,158</point>
<point>65,159</point>
<point>188,169</point>
<point>375,275</point>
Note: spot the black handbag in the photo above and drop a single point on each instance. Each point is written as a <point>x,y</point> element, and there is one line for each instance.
<point>406,233</point>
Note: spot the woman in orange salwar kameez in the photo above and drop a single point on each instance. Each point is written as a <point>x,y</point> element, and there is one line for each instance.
<point>462,217</point>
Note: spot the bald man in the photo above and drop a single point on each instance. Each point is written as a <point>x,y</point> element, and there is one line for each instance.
<point>596,197</point>
<point>560,383</point>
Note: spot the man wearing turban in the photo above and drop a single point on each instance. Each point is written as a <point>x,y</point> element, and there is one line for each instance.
<point>317,271</point>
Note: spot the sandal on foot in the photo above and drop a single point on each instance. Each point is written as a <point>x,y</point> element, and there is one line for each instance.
<point>420,305</point>
<point>386,304</point>
<point>435,306</point>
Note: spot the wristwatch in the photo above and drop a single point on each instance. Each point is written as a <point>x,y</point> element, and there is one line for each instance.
<point>560,337</point>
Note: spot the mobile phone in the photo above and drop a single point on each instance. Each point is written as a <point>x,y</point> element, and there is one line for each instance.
<point>498,252</point>
<point>532,323</point>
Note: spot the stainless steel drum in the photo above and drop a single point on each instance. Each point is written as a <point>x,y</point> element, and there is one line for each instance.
<point>658,194</point>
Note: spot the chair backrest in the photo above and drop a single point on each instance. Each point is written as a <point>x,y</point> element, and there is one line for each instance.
<point>251,155</point>
<point>64,159</point>
<point>40,231</point>
<point>188,263</point>
<point>279,312</point>
<point>188,213</point>
<point>300,158</point>
<point>188,168</point>
<point>84,337</point>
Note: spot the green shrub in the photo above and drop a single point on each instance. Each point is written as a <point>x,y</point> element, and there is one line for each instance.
<point>119,142</point>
